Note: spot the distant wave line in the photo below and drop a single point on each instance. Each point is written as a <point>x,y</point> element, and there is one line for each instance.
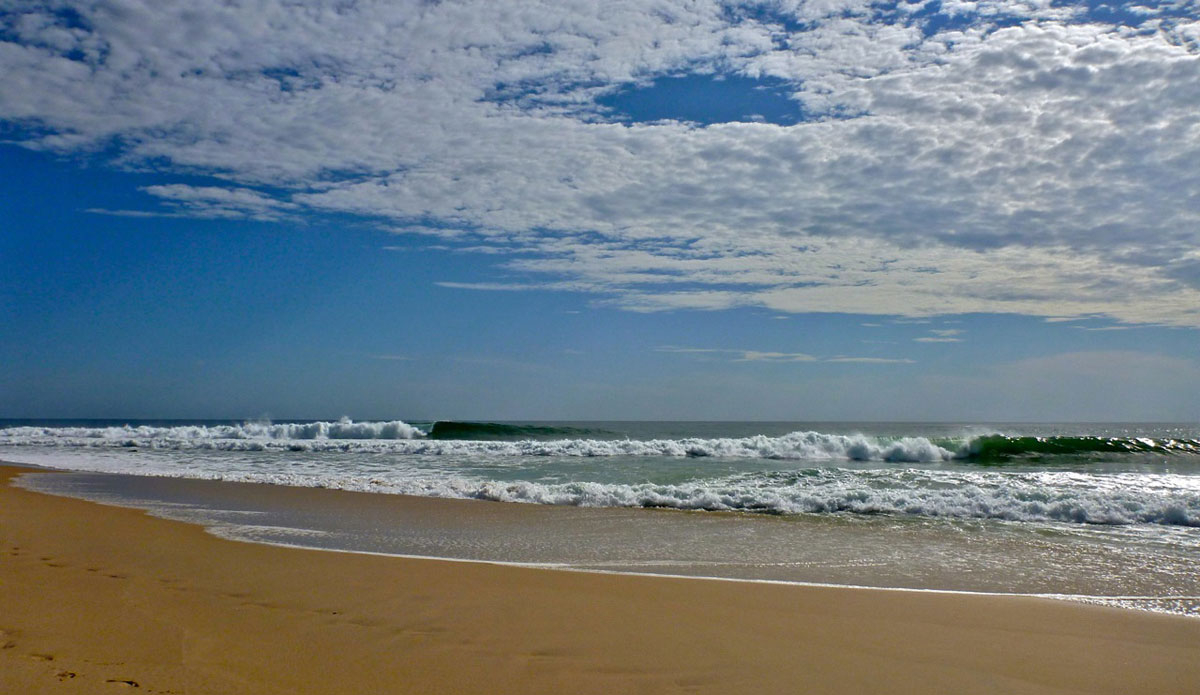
<point>504,439</point>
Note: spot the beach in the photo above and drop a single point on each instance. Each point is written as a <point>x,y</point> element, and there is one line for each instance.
<point>98,598</point>
<point>661,346</point>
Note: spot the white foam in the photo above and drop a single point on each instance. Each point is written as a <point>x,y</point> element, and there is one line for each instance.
<point>209,436</point>
<point>1114,499</point>
<point>398,437</point>
<point>416,465</point>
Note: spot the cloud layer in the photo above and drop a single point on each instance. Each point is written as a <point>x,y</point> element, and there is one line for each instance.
<point>1026,156</point>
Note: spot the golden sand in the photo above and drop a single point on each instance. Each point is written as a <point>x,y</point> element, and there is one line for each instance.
<point>97,599</point>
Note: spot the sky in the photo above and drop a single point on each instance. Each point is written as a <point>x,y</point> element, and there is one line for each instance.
<point>825,210</point>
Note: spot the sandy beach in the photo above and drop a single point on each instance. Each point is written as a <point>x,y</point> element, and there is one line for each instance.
<point>100,599</point>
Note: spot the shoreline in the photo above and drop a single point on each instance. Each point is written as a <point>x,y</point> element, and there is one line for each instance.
<point>217,616</point>
<point>561,567</point>
<point>808,551</point>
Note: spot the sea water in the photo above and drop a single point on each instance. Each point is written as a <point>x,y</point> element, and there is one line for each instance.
<point>1109,513</point>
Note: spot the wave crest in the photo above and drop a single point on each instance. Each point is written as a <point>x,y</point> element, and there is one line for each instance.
<point>401,438</point>
<point>196,436</point>
<point>492,439</point>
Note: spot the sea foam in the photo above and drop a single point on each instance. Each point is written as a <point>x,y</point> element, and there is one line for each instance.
<point>399,437</point>
<point>819,472</point>
<point>1114,499</point>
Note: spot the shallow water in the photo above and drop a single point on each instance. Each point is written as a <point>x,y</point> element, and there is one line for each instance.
<point>942,554</point>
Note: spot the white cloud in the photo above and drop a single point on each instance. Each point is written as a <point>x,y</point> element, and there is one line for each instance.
<point>215,201</point>
<point>485,286</point>
<point>873,360</point>
<point>757,356</point>
<point>738,355</point>
<point>941,335</point>
<point>1043,168</point>
<point>742,355</point>
<point>134,213</point>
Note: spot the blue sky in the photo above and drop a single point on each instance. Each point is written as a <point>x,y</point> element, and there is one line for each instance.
<point>848,210</point>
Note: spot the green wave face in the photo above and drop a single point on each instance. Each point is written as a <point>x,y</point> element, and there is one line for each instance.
<point>997,447</point>
<point>495,431</point>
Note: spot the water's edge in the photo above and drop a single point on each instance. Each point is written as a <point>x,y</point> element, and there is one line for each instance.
<point>299,537</point>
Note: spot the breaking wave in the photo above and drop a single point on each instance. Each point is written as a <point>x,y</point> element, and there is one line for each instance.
<point>1008,498</point>
<point>496,439</point>
<point>996,447</point>
<point>942,477</point>
<point>398,437</point>
<point>1041,496</point>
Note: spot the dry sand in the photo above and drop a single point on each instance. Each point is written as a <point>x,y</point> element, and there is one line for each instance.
<point>104,599</point>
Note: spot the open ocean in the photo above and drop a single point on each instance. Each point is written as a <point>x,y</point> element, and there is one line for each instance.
<point>1107,513</point>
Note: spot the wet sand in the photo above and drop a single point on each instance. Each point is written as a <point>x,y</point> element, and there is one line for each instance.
<point>99,599</point>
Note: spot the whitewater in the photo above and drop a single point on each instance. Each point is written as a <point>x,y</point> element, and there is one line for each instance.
<point>973,474</point>
<point>398,437</point>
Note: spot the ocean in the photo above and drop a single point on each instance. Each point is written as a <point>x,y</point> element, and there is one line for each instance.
<point>1105,513</point>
